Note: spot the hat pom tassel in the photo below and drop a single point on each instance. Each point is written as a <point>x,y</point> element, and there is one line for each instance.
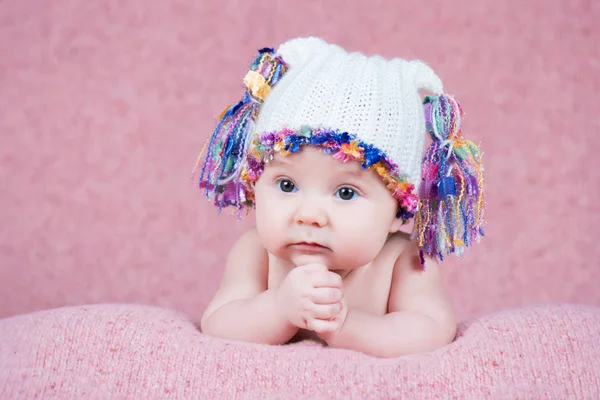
<point>225,149</point>
<point>450,214</point>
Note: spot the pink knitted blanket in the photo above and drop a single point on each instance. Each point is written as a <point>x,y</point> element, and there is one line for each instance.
<point>135,352</point>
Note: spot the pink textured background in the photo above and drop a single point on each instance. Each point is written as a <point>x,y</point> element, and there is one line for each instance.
<point>104,106</point>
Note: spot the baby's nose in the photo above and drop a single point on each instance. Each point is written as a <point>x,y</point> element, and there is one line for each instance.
<point>311,214</point>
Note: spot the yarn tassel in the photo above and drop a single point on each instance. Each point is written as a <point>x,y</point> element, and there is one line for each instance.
<point>450,214</point>
<point>225,151</point>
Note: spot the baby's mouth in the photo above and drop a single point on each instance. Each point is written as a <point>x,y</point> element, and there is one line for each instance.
<point>309,246</point>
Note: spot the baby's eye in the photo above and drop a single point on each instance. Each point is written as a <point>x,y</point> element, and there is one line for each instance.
<point>287,186</point>
<point>346,193</point>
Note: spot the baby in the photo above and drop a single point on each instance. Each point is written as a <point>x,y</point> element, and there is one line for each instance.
<point>326,146</point>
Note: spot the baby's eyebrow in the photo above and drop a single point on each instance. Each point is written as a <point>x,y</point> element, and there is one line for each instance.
<point>280,161</point>
<point>357,173</point>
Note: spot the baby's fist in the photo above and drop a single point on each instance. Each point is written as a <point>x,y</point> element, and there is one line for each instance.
<point>310,293</point>
<point>325,328</point>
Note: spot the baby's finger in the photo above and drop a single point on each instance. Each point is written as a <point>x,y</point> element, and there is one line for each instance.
<point>326,279</point>
<point>324,325</point>
<point>326,311</point>
<point>325,295</point>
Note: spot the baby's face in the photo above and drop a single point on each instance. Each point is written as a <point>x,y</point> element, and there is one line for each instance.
<point>311,207</point>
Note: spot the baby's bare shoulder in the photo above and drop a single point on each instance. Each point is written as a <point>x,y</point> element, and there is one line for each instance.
<point>396,244</point>
<point>245,274</point>
<point>246,265</point>
<point>407,259</point>
<point>418,287</point>
<point>248,255</point>
<point>249,240</point>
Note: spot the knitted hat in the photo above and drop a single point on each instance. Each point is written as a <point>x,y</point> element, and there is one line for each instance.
<point>354,107</point>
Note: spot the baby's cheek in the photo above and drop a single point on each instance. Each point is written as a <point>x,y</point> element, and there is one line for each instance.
<point>358,223</point>
<point>356,248</point>
<point>271,227</point>
<point>364,238</point>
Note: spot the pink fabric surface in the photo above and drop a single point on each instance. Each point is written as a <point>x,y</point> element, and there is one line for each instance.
<point>136,352</point>
<point>104,106</point>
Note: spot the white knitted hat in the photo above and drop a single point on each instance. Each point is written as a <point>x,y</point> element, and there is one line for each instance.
<point>354,107</point>
<point>375,99</point>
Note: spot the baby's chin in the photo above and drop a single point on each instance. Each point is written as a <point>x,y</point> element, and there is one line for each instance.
<point>305,259</point>
<point>331,261</point>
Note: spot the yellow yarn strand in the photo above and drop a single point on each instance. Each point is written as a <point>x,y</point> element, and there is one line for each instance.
<point>480,197</point>
<point>270,78</point>
<point>424,224</point>
<point>446,236</point>
<point>261,62</point>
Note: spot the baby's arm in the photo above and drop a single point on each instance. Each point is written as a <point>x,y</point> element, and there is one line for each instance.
<point>420,317</point>
<point>243,309</point>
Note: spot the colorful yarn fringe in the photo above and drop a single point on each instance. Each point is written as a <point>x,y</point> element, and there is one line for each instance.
<point>342,146</point>
<point>451,204</point>
<point>226,148</point>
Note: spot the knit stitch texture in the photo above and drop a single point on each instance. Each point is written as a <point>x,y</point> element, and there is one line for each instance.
<point>135,352</point>
<point>366,95</point>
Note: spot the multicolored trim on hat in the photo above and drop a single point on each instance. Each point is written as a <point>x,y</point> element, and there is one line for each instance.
<point>342,146</point>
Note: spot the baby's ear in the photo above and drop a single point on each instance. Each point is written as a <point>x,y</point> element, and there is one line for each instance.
<point>396,225</point>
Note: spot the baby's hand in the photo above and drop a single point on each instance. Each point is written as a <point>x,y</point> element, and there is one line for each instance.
<point>310,297</point>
